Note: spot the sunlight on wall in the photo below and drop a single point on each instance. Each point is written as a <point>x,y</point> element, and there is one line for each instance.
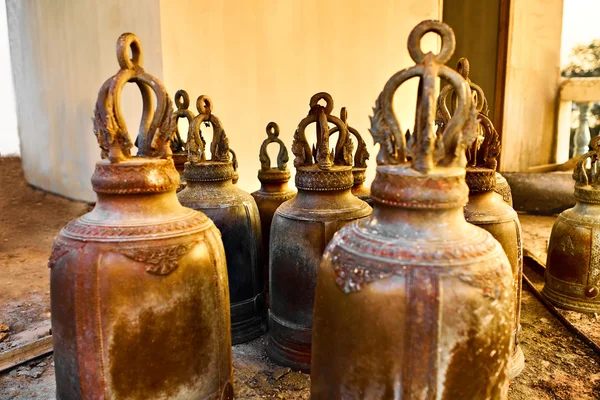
<point>9,137</point>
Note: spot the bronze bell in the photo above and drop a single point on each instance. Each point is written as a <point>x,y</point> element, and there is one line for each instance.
<point>178,145</point>
<point>503,189</point>
<point>486,208</point>
<point>273,190</point>
<point>415,302</point>
<point>572,278</point>
<point>301,229</point>
<point>210,189</point>
<point>139,294</point>
<point>359,169</point>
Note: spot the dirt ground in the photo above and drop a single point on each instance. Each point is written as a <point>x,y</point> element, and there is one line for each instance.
<point>558,365</point>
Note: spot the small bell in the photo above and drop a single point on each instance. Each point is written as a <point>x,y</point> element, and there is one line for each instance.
<point>486,208</point>
<point>572,278</point>
<point>273,190</point>
<point>210,189</point>
<point>301,229</point>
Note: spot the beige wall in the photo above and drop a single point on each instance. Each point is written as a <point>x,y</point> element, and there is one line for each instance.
<point>259,61</point>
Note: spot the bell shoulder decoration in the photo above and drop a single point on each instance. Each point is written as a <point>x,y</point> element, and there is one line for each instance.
<point>178,145</point>
<point>414,302</point>
<point>303,226</point>
<point>572,278</point>
<point>273,190</point>
<point>210,189</point>
<point>140,278</point>
<point>486,208</point>
<point>359,169</point>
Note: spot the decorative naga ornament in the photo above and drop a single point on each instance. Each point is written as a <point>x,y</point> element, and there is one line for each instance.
<point>486,208</point>
<point>573,266</point>
<point>273,190</point>
<point>178,145</point>
<point>415,302</point>
<point>139,295</point>
<point>234,163</point>
<point>301,229</point>
<point>210,189</point>
<point>359,170</point>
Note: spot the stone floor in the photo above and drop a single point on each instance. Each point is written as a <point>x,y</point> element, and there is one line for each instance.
<point>558,364</point>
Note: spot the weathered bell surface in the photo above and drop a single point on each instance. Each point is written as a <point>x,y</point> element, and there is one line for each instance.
<point>301,229</point>
<point>572,278</point>
<point>139,294</point>
<point>273,190</point>
<point>486,208</point>
<point>359,169</point>
<point>178,145</point>
<point>210,189</point>
<point>415,302</point>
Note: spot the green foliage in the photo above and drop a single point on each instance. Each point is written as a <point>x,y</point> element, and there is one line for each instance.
<point>584,61</point>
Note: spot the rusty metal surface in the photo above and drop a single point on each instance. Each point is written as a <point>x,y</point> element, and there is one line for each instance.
<point>486,208</point>
<point>301,229</point>
<point>415,302</point>
<point>139,298</point>
<point>572,279</point>
<point>273,190</point>
<point>210,189</point>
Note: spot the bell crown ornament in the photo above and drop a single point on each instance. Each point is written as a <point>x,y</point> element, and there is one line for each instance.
<point>266,173</point>
<point>155,132</point>
<point>320,168</point>
<point>182,101</point>
<point>361,155</point>
<point>482,155</point>
<point>587,175</point>
<point>407,163</point>
<point>219,167</point>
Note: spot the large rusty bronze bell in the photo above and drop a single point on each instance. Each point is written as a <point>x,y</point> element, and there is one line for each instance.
<point>139,294</point>
<point>301,229</point>
<point>273,190</point>
<point>486,208</point>
<point>415,302</point>
<point>178,145</point>
<point>359,169</point>
<point>210,189</point>
<point>572,278</point>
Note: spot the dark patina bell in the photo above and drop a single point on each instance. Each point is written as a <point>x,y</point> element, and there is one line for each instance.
<point>139,294</point>
<point>234,163</point>
<point>301,229</point>
<point>486,208</point>
<point>573,266</point>
<point>210,189</point>
<point>273,190</point>
<point>415,302</point>
<point>359,169</point>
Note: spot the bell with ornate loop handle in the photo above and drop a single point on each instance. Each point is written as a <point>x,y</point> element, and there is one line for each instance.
<point>359,169</point>
<point>486,208</point>
<point>273,190</point>
<point>139,293</point>
<point>414,302</point>
<point>210,189</point>
<point>178,145</point>
<point>572,278</point>
<point>301,229</point>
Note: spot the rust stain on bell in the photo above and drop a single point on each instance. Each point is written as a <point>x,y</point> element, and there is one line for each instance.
<point>273,190</point>
<point>301,229</point>
<point>572,278</point>
<point>139,293</point>
<point>487,208</point>
<point>414,302</point>
<point>210,189</point>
